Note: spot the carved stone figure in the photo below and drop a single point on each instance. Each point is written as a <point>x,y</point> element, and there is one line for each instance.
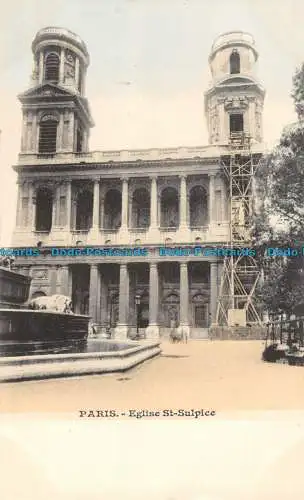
<point>7,261</point>
<point>59,303</point>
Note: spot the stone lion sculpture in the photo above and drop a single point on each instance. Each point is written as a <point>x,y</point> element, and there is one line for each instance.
<point>58,303</point>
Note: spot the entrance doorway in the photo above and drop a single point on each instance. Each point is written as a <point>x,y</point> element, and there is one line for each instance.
<point>200,316</point>
<point>200,311</point>
<point>171,309</point>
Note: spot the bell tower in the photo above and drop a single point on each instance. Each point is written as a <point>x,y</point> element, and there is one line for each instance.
<point>234,102</point>
<point>56,114</point>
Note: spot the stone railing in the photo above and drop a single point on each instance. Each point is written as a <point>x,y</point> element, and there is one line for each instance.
<point>121,156</point>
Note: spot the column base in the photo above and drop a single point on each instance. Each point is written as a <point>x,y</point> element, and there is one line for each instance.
<point>152,331</point>
<point>121,332</point>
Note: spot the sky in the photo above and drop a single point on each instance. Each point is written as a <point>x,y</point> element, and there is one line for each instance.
<point>114,460</point>
<point>149,69</point>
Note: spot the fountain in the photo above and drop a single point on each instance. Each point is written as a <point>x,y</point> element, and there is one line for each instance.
<point>48,343</point>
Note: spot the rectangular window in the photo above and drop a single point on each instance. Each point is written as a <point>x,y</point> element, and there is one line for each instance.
<point>236,123</point>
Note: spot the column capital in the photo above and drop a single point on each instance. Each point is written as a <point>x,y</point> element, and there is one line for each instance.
<point>94,266</point>
<point>182,177</point>
<point>96,180</point>
<point>183,264</point>
<point>211,175</point>
<point>153,177</point>
<point>153,265</point>
<point>124,178</point>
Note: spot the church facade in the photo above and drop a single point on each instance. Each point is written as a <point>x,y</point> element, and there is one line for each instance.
<point>122,232</point>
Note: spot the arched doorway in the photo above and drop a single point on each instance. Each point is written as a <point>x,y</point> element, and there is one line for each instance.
<point>171,309</point>
<point>143,311</point>
<point>200,316</point>
<point>113,310</point>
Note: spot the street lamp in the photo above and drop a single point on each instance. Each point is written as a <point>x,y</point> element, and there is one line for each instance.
<point>137,302</point>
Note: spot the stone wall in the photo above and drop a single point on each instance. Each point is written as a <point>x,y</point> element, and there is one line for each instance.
<point>238,333</point>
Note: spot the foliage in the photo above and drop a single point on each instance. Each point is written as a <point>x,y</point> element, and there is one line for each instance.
<point>280,222</point>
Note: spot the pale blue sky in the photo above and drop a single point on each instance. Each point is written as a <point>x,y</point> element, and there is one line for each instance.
<point>162,48</point>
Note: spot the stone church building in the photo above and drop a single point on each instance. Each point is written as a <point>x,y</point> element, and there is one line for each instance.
<point>71,197</point>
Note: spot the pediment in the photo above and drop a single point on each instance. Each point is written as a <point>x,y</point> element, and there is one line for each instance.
<point>46,90</point>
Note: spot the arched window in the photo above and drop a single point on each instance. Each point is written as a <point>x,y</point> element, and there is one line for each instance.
<point>141,208</point>
<point>84,210</point>
<point>44,210</point>
<point>198,207</point>
<point>51,64</point>
<point>169,208</point>
<point>112,209</point>
<point>235,63</point>
<point>48,135</point>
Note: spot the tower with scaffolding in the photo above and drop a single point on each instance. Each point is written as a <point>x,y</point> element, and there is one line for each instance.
<point>234,105</point>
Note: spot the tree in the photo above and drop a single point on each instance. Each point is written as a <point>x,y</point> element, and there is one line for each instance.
<point>281,220</point>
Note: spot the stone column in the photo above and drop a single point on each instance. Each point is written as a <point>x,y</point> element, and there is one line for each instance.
<point>95,219</point>
<point>124,203</point>
<point>18,208</point>
<point>153,203</point>
<point>41,67</point>
<point>211,198</point>
<point>101,211</point>
<point>222,122</point>
<point>32,202</point>
<point>94,307</point>
<point>65,288</point>
<point>183,203</point>
<point>76,73</point>
<point>152,330</point>
<point>61,67</point>
<point>223,203</point>
<point>53,280</point>
<point>60,146</point>
<point>70,145</point>
<point>213,291</point>
<point>184,298</point>
<point>121,330</point>
<point>103,302</point>
<point>68,198</point>
<point>55,211</point>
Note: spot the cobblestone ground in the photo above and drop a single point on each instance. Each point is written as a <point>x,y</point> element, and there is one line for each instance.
<point>226,375</point>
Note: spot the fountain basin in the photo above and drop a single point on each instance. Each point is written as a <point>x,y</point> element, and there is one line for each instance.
<point>21,325</point>
<point>115,357</point>
<point>14,289</point>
